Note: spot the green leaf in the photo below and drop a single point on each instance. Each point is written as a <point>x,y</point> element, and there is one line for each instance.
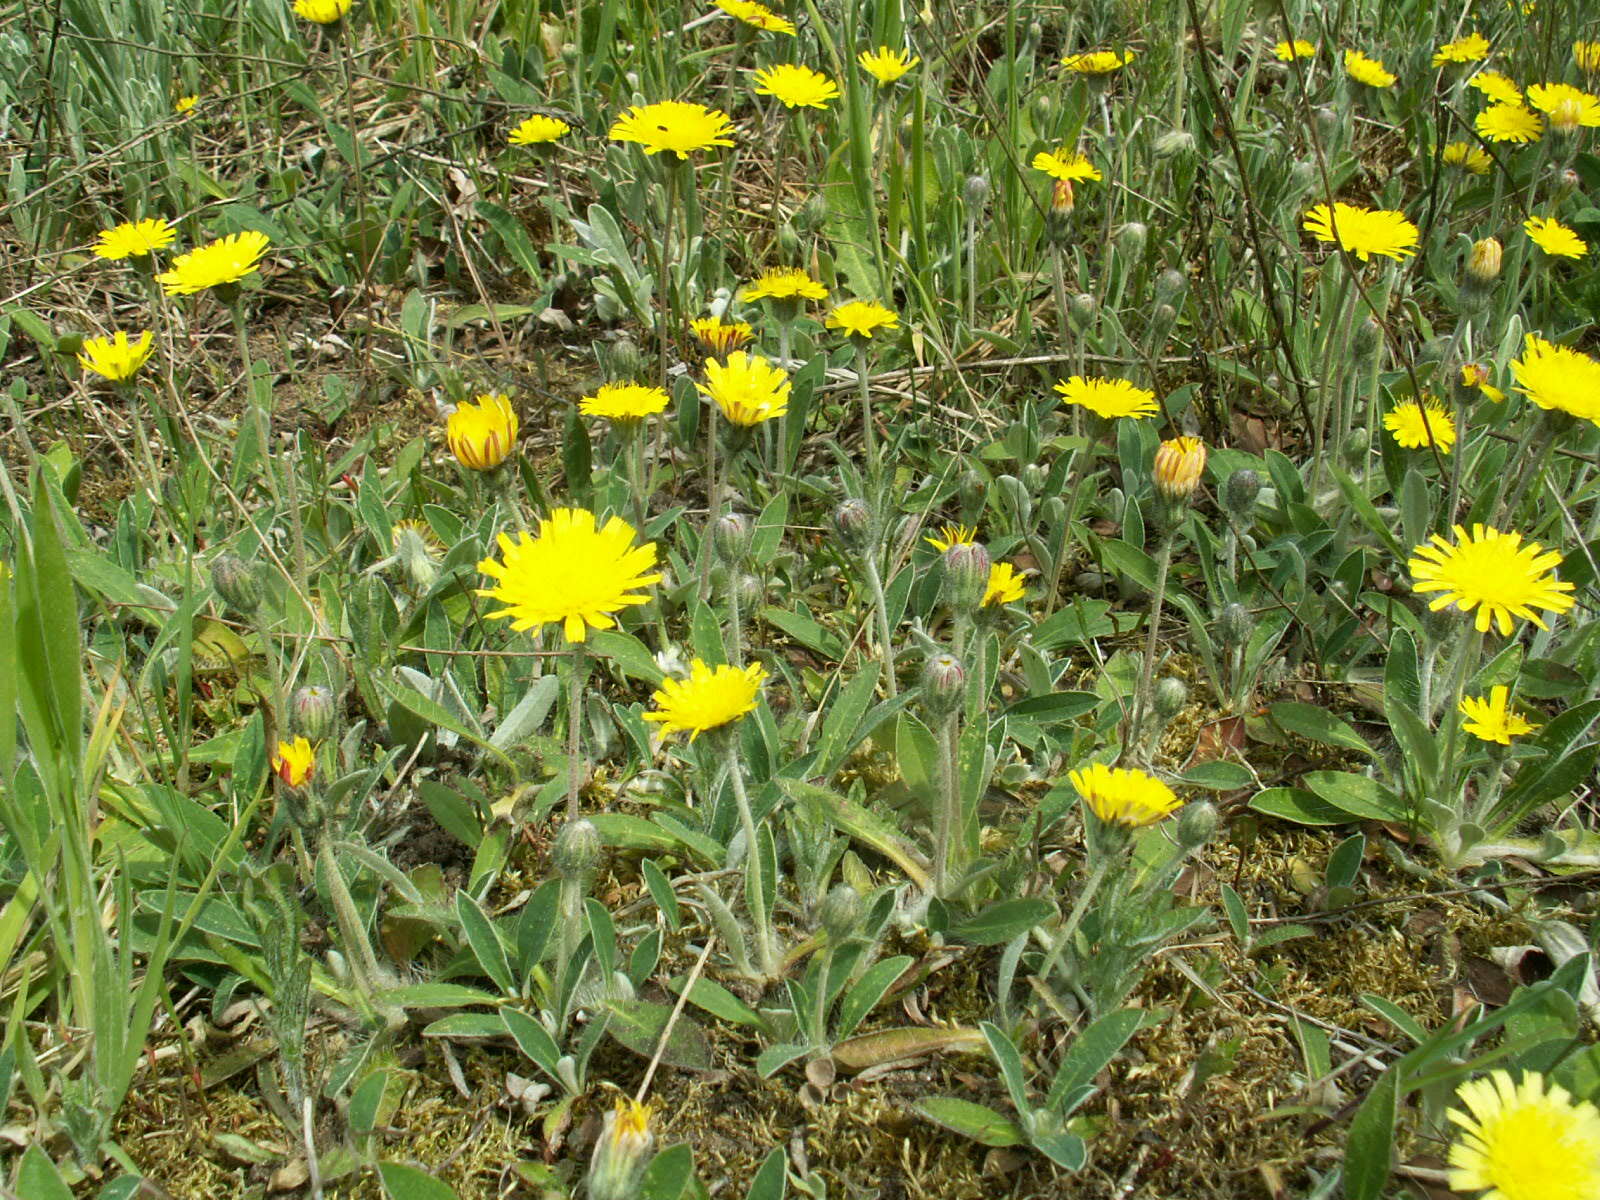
<point>629,653</point>
<point>661,892</point>
<point>841,731</point>
<point>485,941</point>
<point>982,1125</point>
<point>669,1174</point>
<point>533,1039</point>
<point>864,997</point>
<point>1371,1143</point>
<point>1091,1052</point>
<point>38,1179</point>
<point>621,831</point>
<point>1065,1149</point>
<point>772,1178</point>
<point>1010,1063</point>
<point>1318,725</point>
<point>1003,921</point>
<point>866,827</point>
<point>639,1024</point>
<point>401,1182</point>
<point>438,995</point>
<point>1053,709</point>
<point>1218,776</point>
<point>1129,560</point>
<point>1357,795</point>
<point>1077,622</point>
<point>467,1025</point>
<point>1298,805</point>
<point>717,1000</point>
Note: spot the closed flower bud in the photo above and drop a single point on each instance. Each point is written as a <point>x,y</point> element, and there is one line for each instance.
<point>236,582</point>
<point>627,361</point>
<point>1483,265</point>
<point>841,913</point>
<point>1131,238</point>
<point>482,434</point>
<point>1058,217</point>
<point>1196,824</point>
<point>813,214</point>
<point>622,1153</point>
<point>1365,340</point>
<point>1170,285</point>
<point>1239,495</point>
<point>577,849</point>
<point>966,576</point>
<point>976,192</point>
<point>852,520</point>
<point>312,711</point>
<point>1081,310</point>
<point>944,682</point>
<point>732,536</point>
<point>1179,464</point>
<point>414,546</point>
<point>1234,625</point>
<point>1175,144</point>
<point>1439,625</point>
<point>1171,695</point>
<point>751,590</point>
<point>788,243</point>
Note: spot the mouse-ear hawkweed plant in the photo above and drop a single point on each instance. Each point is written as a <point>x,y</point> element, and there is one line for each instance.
<point>1524,1140</point>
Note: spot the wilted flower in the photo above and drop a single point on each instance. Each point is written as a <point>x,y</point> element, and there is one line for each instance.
<point>1483,264</point>
<point>719,336</point>
<point>1469,157</point>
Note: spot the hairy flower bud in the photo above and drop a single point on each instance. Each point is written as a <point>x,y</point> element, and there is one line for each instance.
<point>1239,495</point>
<point>1483,264</point>
<point>976,192</point>
<point>841,913</point>
<point>1179,464</point>
<point>1234,625</point>
<point>965,568</point>
<point>1174,145</point>
<point>751,590</point>
<point>622,1153</point>
<point>577,849</point>
<point>312,711</point>
<point>852,520</point>
<point>1170,285</point>
<point>1131,238</point>
<point>1196,824</point>
<point>732,536</point>
<point>1081,311</point>
<point>1171,695</point>
<point>236,582</point>
<point>944,682</point>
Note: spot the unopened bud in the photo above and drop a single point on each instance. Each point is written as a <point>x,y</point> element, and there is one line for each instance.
<point>236,582</point>
<point>751,590</point>
<point>1174,145</point>
<point>577,849</point>
<point>627,360</point>
<point>1196,824</point>
<point>622,1153</point>
<point>813,214</point>
<point>1439,624</point>
<point>1365,340</point>
<point>312,711</point>
<point>944,682</point>
<point>788,243</point>
<point>1081,310</point>
<point>841,913</point>
<point>1239,495</point>
<point>1171,695</point>
<point>414,547</point>
<point>976,192</point>
<point>966,576</point>
<point>852,520</point>
<point>1483,265</point>
<point>1131,238</point>
<point>732,536</point>
<point>1170,285</point>
<point>1179,465</point>
<point>1234,625</point>
<point>1058,219</point>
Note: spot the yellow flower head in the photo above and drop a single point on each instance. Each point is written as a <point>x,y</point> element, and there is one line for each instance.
<point>1586,56</point>
<point>1420,426</point>
<point>1472,48</point>
<point>115,358</point>
<point>1497,87</point>
<point>1508,123</point>
<point>1363,231</point>
<point>1474,375</point>
<point>719,336</point>
<point>184,105</point>
<point>1065,164</point>
<point>1492,572</point>
<point>1179,464</point>
<point>1369,71</point>
<point>1109,398</point>
<point>1554,238</point>
<point>1123,796</point>
<point>1567,107</point>
<point>293,762</point>
<point>224,261</point>
<point>1004,586</point>
<point>1097,62</point>
<point>673,126</point>
<point>860,318</point>
<point>538,129</point>
<point>795,86</point>
<point>784,283</point>
<point>322,12</point>
<point>1491,720</point>
<point>952,535</point>
<point>748,389</point>
<point>134,239</point>
<point>1468,157</point>
<point>1299,48</point>
<point>886,65</point>
<point>709,698</point>
<point>1485,261</point>
<point>1559,378</point>
<point>481,435</point>
<point>624,403</point>
<point>1524,1141</point>
<point>758,15</point>
<point>622,1152</point>
<point>573,574</point>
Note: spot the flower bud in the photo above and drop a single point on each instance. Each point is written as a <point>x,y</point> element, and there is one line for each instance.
<point>788,243</point>
<point>1365,340</point>
<point>751,590</point>
<point>841,913</point>
<point>944,682</point>
<point>965,567</point>
<point>732,535</point>
<point>976,192</point>
<point>852,520</point>
<point>1234,625</point>
<point>1131,238</point>
<point>1058,217</point>
<point>1081,311</point>
<point>312,711</point>
<point>1171,695</point>
<point>627,361</point>
<point>293,762</point>
<point>1483,265</point>
<point>577,850</point>
<point>1170,285</point>
<point>1179,464</point>
<point>1196,823</point>
<point>813,214</point>
<point>622,1153</point>
<point>482,434</point>
<point>236,582</point>
<point>1239,495</point>
<point>1439,624</point>
<point>414,546</point>
<point>1174,145</point>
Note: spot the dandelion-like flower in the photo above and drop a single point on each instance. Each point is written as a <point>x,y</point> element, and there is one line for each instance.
<point>1524,1141</point>
<point>1299,48</point>
<point>1586,56</point>
<point>1369,71</point>
<point>886,65</point>
<point>673,127</point>
<point>1419,426</point>
<point>1492,572</point>
<point>784,283</point>
<point>758,15</point>
<point>1472,48</point>
<point>1468,157</point>
<point>184,105</point>
<point>795,86</point>
<point>1490,719</point>
<point>1363,231</point>
<point>709,698</point>
<point>573,574</point>
<point>952,535</point>
<point>1004,586</point>
<point>115,358</point>
<point>1475,375</point>
<point>134,239</point>
<point>1559,378</point>
<point>1066,165</point>
<point>1566,106</point>
<point>481,435</point>
<point>748,389</point>
<point>294,761</point>
<point>622,1152</point>
<point>1554,238</point>
<point>1179,463</point>
<point>1124,796</point>
<point>1501,89</point>
<point>1097,62</point>
<point>624,403</point>
<point>224,261</point>
<point>1109,398</point>
<point>322,12</point>
<point>538,129</point>
<point>1508,123</point>
<point>719,336</point>
<point>861,318</point>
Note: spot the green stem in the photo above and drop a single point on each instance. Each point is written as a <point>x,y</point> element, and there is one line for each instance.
<point>575,682</point>
<point>869,439</point>
<point>756,886</point>
<point>363,963</point>
<point>1141,698</point>
<point>1071,927</point>
<point>880,606</point>
<point>944,850</point>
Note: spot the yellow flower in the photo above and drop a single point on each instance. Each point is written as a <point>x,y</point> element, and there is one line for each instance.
<point>624,402</point>
<point>573,574</point>
<point>1419,426</point>
<point>1586,56</point>
<point>1566,106</point>
<point>1179,464</point>
<point>795,86</point>
<point>886,65</point>
<point>1497,87</point>
<point>719,336</point>
<point>952,535</point>
<point>1554,238</point>
<point>1472,48</point>
<point>1109,398</point>
<point>1123,796</point>
<point>322,12</point>
<point>748,389</point>
<point>115,358</point>
<point>538,129</point>
<point>134,239</point>
<point>859,318</point>
<point>293,762</point>
<point>784,283</point>
<point>1524,1141</point>
<point>758,15</point>
<point>1363,231</point>
<point>622,1152</point>
<point>1299,48</point>
<point>1490,720</point>
<point>1097,62</point>
<point>1475,376</point>
<point>674,126</point>
<point>1485,261</point>
<point>481,435</point>
<point>1469,157</point>
<point>1508,123</point>
<point>1492,572</point>
<point>1004,586</point>
<point>1065,164</point>
<point>224,261</point>
<point>709,698</point>
<point>1560,378</point>
<point>1369,71</point>
<point>184,105</point>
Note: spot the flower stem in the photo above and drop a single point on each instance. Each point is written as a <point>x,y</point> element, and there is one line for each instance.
<point>575,682</point>
<point>1147,670</point>
<point>756,884</point>
<point>944,848</point>
<point>880,606</point>
<point>869,440</point>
